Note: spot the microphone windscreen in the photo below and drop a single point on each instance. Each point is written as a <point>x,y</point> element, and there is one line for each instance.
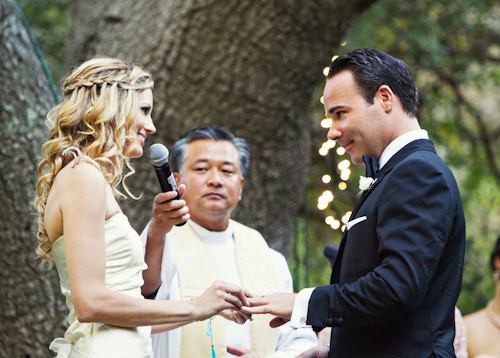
<point>158,155</point>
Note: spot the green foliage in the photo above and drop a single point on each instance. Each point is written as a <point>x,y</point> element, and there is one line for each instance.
<point>452,49</point>
<point>47,19</point>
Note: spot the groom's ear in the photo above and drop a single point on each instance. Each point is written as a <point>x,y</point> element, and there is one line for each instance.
<point>385,98</point>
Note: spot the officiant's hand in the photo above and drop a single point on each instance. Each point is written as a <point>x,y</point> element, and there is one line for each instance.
<point>277,304</point>
<point>316,352</point>
<point>167,211</point>
<point>242,352</point>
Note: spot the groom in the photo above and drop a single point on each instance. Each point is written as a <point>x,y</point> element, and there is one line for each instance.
<point>398,272</point>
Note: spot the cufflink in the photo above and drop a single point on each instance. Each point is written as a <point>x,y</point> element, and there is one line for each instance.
<point>303,320</point>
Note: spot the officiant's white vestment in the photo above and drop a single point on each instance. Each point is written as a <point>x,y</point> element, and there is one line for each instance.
<point>193,259</point>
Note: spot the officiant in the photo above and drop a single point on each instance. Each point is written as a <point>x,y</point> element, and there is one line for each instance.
<point>211,162</point>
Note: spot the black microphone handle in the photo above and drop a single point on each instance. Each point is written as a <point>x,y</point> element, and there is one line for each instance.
<point>167,182</point>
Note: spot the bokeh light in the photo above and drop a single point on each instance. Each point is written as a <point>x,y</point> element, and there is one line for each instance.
<point>330,143</point>
<point>343,165</point>
<point>322,205</point>
<point>326,123</point>
<point>327,195</point>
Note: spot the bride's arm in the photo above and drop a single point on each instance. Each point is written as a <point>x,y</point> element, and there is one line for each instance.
<point>83,205</point>
<point>166,327</point>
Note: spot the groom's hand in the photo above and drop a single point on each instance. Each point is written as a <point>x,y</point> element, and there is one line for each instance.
<point>242,352</point>
<point>277,304</point>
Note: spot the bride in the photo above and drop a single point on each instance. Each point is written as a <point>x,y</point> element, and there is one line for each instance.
<point>103,120</point>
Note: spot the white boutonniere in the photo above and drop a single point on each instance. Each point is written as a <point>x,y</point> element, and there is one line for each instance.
<point>365,183</point>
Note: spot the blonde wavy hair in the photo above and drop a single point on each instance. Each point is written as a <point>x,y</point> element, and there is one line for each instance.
<point>94,122</point>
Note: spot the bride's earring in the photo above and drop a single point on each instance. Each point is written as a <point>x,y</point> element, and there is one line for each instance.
<point>496,275</point>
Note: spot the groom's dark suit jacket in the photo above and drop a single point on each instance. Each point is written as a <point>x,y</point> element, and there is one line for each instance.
<point>398,274</point>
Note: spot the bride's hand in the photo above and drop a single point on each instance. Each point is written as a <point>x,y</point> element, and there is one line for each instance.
<point>235,316</point>
<point>220,296</point>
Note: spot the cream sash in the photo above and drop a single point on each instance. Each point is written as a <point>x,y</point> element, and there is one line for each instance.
<point>196,273</point>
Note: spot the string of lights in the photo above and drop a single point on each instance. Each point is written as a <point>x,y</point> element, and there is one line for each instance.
<point>327,197</point>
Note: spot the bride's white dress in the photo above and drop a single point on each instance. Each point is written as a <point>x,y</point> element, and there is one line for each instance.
<point>124,266</point>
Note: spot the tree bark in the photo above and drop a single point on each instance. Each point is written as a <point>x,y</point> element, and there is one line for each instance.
<point>31,305</point>
<point>250,66</point>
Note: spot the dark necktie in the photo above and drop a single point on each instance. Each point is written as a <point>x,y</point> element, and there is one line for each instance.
<point>371,166</point>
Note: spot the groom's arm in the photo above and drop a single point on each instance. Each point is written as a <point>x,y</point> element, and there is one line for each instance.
<point>414,218</point>
<point>291,342</point>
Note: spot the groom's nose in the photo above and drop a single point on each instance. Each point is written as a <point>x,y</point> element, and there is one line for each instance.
<point>334,132</point>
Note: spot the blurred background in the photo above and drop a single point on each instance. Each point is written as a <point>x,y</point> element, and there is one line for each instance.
<point>257,68</point>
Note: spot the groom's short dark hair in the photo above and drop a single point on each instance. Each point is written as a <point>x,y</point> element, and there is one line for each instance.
<point>372,68</point>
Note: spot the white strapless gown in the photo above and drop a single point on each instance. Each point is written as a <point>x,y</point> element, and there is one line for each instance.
<point>124,266</point>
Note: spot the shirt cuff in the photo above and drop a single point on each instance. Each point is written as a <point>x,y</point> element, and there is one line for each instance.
<point>300,308</point>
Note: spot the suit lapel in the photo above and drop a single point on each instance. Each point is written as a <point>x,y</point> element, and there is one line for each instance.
<point>417,145</point>
<point>421,144</point>
<point>364,196</point>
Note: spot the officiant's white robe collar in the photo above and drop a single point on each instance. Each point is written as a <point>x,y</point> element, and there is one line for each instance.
<point>212,236</point>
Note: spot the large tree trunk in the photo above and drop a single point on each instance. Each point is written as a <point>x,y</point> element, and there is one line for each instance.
<point>250,66</point>
<point>31,306</point>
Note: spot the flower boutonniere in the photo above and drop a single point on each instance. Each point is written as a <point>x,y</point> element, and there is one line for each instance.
<point>365,183</point>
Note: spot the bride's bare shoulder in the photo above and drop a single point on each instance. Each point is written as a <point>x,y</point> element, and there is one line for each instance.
<point>82,173</point>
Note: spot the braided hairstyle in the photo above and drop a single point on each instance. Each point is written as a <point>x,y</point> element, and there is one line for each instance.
<point>94,122</point>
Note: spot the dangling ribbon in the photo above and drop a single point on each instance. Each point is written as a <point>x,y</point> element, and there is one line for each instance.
<point>209,333</point>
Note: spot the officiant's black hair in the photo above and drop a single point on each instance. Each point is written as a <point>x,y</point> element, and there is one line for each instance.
<point>372,68</point>
<point>178,153</point>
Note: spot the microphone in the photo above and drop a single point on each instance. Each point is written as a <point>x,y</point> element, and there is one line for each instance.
<point>158,156</point>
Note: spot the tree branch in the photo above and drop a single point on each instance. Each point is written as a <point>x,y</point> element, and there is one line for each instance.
<point>483,131</point>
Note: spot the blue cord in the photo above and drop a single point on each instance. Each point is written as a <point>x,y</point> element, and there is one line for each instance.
<point>37,50</point>
<point>209,333</point>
